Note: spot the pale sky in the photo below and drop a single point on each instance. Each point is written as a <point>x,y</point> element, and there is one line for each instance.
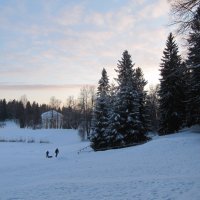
<point>53,47</point>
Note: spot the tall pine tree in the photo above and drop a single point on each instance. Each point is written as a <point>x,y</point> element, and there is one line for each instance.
<point>171,90</point>
<point>99,137</point>
<point>193,63</point>
<point>152,108</point>
<point>143,114</point>
<point>125,123</point>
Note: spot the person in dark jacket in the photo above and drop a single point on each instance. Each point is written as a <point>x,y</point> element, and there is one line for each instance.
<point>56,152</point>
<point>47,154</point>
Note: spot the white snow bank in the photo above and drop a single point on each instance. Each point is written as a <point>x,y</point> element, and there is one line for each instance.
<point>195,128</point>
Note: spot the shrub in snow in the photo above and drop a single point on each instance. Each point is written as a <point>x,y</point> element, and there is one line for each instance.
<point>44,141</point>
<point>31,140</point>
<point>2,124</point>
<point>3,140</point>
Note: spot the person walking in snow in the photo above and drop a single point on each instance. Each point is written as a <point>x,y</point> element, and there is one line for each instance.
<point>56,152</point>
<point>47,154</point>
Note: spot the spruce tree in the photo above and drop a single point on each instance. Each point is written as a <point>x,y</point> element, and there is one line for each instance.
<point>36,115</point>
<point>152,108</point>
<point>99,137</point>
<point>143,114</point>
<point>28,115</point>
<point>171,90</point>
<point>20,114</point>
<point>3,110</point>
<point>184,82</point>
<point>193,63</point>
<point>125,124</point>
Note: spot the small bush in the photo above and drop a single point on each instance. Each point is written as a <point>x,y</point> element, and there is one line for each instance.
<point>21,140</point>
<point>3,140</point>
<point>30,140</point>
<point>2,124</point>
<point>12,140</point>
<point>44,141</point>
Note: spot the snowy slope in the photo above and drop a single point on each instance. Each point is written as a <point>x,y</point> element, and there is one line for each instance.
<point>166,168</point>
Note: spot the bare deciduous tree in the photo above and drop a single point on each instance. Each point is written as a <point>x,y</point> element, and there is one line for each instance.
<point>70,103</point>
<point>86,103</point>
<point>71,113</point>
<point>153,105</point>
<point>55,105</point>
<point>183,12</point>
<point>24,100</point>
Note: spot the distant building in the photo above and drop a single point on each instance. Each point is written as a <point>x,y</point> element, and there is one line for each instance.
<point>52,119</point>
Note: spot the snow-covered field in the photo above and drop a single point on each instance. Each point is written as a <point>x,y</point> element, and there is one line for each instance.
<point>166,168</point>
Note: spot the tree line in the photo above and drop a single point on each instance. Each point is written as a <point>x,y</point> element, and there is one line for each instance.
<point>76,112</point>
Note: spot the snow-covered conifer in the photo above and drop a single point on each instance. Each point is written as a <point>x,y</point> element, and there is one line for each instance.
<point>125,124</point>
<point>99,137</point>
<point>171,89</point>
<point>143,114</point>
<point>193,63</point>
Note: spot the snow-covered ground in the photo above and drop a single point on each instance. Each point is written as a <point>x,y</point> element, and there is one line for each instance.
<point>166,168</point>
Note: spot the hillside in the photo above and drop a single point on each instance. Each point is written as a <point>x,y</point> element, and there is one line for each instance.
<point>166,168</point>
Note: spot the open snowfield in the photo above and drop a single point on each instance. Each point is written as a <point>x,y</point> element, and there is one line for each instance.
<point>166,168</point>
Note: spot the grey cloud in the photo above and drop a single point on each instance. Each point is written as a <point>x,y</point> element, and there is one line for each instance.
<point>4,86</point>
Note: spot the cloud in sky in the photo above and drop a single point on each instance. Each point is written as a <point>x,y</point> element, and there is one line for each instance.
<point>39,93</point>
<point>7,86</point>
<point>58,43</point>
